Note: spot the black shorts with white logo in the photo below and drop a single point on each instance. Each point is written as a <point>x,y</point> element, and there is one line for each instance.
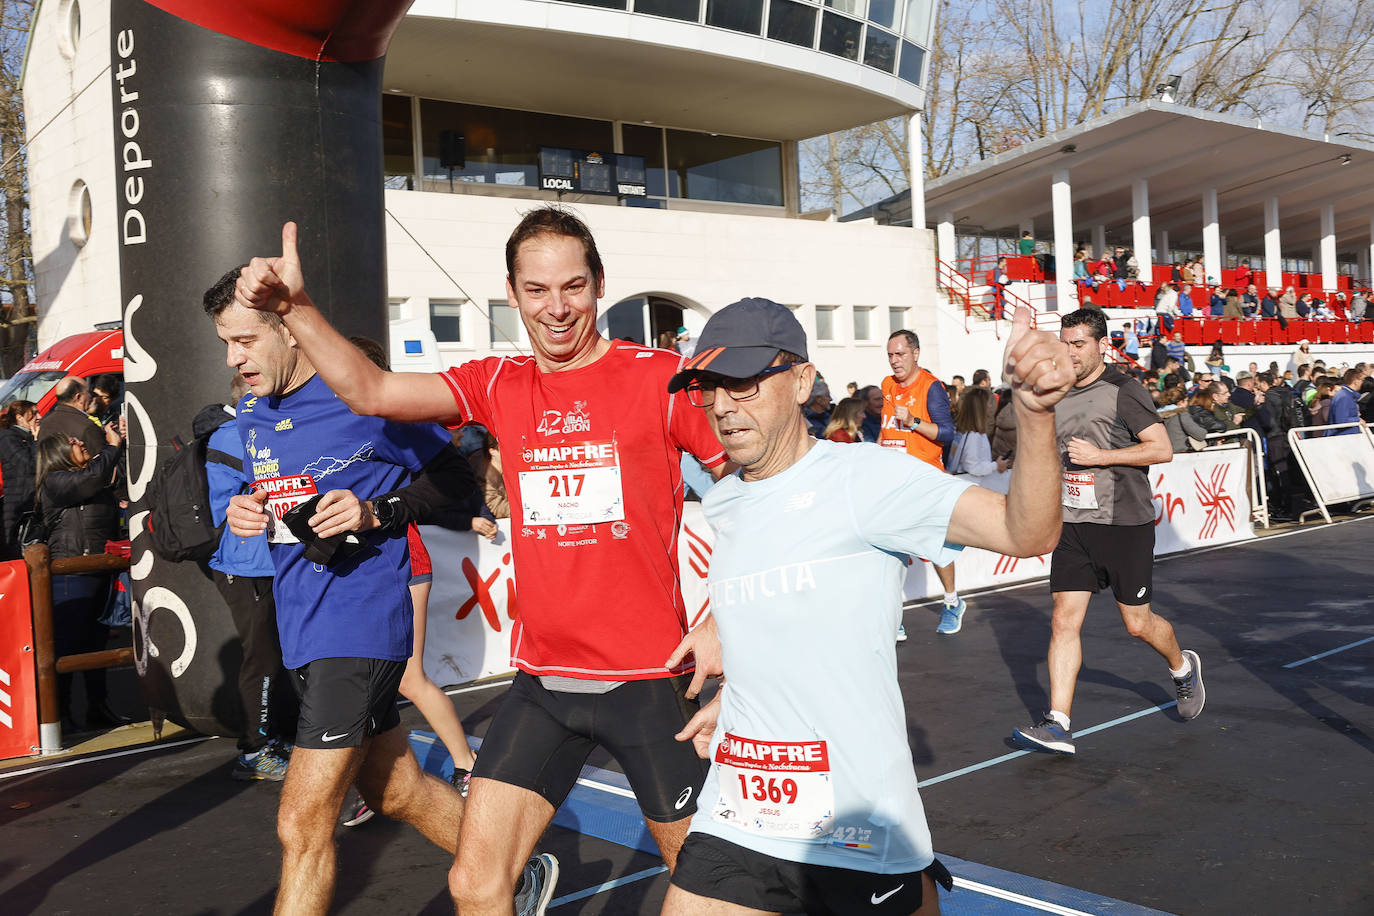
<point>344,700</point>
<point>1092,557</point>
<point>711,867</point>
<point>540,739</point>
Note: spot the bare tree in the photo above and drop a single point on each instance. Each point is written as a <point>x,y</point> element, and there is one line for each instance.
<point>17,311</point>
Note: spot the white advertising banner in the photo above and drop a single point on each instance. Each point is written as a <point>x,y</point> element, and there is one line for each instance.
<point>1200,500</point>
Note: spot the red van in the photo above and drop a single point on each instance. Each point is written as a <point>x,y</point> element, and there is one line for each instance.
<point>92,353</point>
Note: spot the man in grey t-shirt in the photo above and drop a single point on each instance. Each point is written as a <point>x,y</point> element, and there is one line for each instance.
<point>1109,434</point>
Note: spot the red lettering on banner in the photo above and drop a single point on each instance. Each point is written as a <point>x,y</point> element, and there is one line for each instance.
<point>482,593</point>
<point>1006,565</point>
<point>1168,503</point>
<point>1214,498</point>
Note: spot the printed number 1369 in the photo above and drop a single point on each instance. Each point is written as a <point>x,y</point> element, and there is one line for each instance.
<point>571,485</point>
<point>772,790</point>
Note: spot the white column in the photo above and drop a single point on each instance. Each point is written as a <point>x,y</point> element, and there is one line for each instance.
<point>1273,252</point>
<point>944,239</point>
<point>1063,242</point>
<point>1368,271</point>
<point>1211,235</point>
<point>1162,246</point>
<point>1140,227</point>
<point>1099,241</point>
<point>915,164</point>
<point>1328,247</point>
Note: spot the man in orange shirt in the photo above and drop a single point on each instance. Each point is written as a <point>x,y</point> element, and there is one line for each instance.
<point>916,417</point>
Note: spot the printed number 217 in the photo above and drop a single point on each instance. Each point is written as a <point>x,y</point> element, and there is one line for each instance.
<point>572,485</point>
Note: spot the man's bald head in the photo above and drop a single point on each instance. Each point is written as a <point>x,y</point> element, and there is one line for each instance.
<point>71,390</point>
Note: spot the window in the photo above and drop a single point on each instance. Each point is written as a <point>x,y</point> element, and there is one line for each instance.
<point>917,26</point>
<point>79,214</point>
<point>476,144</point>
<point>792,22</point>
<point>913,60</point>
<point>730,169</point>
<point>825,322</point>
<point>446,319</point>
<point>863,323</point>
<point>505,324</point>
<point>896,319</point>
<point>840,36</point>
<point>68,28</point>
<point>880,50</point>
<point>881,12</point>
<point>398,143</point>
<point>647,142</point>
<point>686,10</point>
<point>737,15</point>
<point>608,4</point>
<point>853,7</point>
<point>393,309</point>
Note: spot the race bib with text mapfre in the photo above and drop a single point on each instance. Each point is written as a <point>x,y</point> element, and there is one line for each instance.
<point>777,788</point>
<point>575,483</point>
<point>283,495</point>
<point>1080,490</point>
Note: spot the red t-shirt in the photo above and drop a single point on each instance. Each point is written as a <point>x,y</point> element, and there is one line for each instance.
<point>591,459</point>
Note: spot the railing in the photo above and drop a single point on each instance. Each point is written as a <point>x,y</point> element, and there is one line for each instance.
<point>1259,511</point>
<point>41,569</point>
<point>1120,357</point>
<point>979,301</point>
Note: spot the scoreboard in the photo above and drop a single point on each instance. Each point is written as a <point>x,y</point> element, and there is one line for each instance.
<point>571,171</point>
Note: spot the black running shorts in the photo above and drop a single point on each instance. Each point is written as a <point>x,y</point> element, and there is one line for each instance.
<point>539,740</point>
<point>1091,557</point>
<point>711,867</point>
<point>344,700</point>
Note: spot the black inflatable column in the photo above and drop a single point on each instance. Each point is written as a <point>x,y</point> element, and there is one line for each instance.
<point>231,118</point>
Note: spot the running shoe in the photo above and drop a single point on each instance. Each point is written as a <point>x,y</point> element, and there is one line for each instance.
<point>1191,694</point>
<point>901,632</point>
<point>356,812</point>
<point>535,889</point>
<point>952,618</point>
<point>262,765</point>
<point>460,779</point>
<point>1046,735</point>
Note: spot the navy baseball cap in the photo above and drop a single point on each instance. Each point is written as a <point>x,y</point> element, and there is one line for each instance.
<point>741,340</point>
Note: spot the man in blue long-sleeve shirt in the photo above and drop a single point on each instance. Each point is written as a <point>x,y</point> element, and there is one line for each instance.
<point>1345,406</point>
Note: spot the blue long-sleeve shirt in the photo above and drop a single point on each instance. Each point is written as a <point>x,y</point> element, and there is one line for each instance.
<point>235,556</point>
<point>1344,409</point>
<point>937,405</point>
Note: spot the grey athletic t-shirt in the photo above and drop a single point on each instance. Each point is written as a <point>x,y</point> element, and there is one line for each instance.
<point>1109,413</point>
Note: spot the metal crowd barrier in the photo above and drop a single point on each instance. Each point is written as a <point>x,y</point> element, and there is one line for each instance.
<point>41,569</point>
<point>1338,468</point>
<point>1259,506</point>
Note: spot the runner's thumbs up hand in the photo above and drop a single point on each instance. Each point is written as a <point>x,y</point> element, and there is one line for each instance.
<point>247,514</point>
<point>273,284</point>
<point>1036,364</point>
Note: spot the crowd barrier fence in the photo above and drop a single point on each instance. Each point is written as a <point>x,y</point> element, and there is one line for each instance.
<point>1339,467</point>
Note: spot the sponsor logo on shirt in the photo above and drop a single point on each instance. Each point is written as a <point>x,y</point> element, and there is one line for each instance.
<point>583,453</point>
<point>248,405</point>
<point>574,421</point>
<point>284,425</point>
<point>620,530</point>
<point>325,465</point>
<point>799,501</point>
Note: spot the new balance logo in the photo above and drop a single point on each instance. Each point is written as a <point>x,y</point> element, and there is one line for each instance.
<point>799,501</point>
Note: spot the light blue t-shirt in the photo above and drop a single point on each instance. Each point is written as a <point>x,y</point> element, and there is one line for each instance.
<point>806,588</point>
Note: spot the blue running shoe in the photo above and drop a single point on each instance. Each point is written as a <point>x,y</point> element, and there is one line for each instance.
<point>536,886</point>
<point>263,765</point>
<point>952,618</point>
<point>901,632</point>
<point>1045,735</point>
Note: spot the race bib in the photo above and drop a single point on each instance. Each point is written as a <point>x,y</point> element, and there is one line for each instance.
<point>571,484</point>
<point>775,788</point>
<point>893,443</point>
<point>283,495</point>
<point>1079,491</point>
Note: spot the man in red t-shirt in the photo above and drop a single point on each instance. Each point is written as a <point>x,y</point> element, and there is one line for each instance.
<point>591,443</point>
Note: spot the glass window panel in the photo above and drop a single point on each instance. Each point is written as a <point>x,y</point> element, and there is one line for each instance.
<point>736,15</point>
<point>608,4</point>
<point>687,10</point>
<point>880,50</point>
<point>730,169</point>
<point>863,323</point>
<point>505,323</point>
<point>882,12</point>
<point>853,7</point>
<point>501,146</point>
<point>393,309</point>
<point>917,26</point>
<point>445,320</point>
<point>840,35</point>
<point>825,322</point>
<point>912,62</point>
<point>792,22</point>
<point>639,140</point>
<point>398,143</point>
<point>896,319</point>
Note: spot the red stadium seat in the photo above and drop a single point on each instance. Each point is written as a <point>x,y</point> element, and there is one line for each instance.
<point>1230,331</point>
<point>1246,332</point>
<point>1192,331</point>
<point>1366,332</point>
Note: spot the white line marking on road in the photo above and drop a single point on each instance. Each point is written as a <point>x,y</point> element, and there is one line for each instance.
<point>63,764</point>
<point>1012,897</point>
<point>608,886</point>
<point>1313,658</point>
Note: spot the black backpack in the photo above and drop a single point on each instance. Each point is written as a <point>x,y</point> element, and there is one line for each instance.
<point>180,525</point>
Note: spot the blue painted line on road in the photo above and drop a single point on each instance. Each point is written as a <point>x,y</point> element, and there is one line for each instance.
<point>1321,655</point>
<point>608,886</point>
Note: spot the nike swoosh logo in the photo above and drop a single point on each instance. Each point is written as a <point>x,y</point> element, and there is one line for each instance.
<point>328,737</point>
<point>875,899</point>
<point>683,798</point>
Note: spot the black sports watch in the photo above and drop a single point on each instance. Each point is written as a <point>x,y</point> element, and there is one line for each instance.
<point>384,510</point>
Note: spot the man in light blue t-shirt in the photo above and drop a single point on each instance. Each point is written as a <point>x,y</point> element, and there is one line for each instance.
<point>811,802</point>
